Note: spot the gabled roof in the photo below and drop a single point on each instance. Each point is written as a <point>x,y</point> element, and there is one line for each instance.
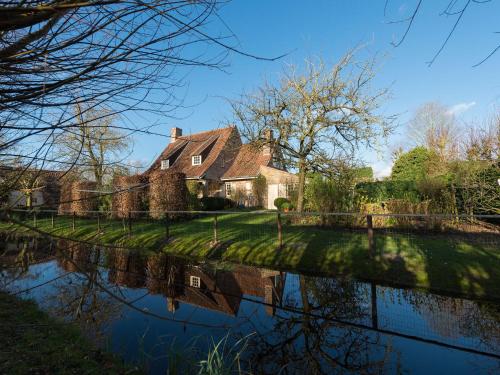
<point>247,162</point>
<point>195,144</point>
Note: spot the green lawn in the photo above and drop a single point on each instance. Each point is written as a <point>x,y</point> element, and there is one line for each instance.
<point>34,343</point>
<point>439,262</point>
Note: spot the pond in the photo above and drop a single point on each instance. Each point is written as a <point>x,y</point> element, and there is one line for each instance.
<point>162,311</point>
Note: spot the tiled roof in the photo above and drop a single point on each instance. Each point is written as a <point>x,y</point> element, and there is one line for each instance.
<point>247,162</point>
<point>194,145</point>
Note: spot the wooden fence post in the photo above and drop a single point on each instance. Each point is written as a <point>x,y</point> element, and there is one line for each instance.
<point>123,223</point>
<point>280,231</point>
<point>371,241</point>
<point>52,220</point>
<point>34,219</point>
<point>215,228</point>
<point>74,217</point>
<point>129,223</point>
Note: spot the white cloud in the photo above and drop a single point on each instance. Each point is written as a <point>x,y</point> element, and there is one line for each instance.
<point>381,171</point>
<point>460,108</point>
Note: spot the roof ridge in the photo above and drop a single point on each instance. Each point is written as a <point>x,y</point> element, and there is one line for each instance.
<point>207,131</point>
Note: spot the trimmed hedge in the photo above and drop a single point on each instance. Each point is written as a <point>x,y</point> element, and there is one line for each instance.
<point>379,191</point>
<point>216,203</point>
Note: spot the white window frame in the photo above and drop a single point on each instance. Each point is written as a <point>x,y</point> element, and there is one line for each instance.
<point>228,188</point>
<point>195,282</point>
<point>165,164</point>
<point>196,160</point>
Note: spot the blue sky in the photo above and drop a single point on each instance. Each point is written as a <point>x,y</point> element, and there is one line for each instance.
<point>327,29</point>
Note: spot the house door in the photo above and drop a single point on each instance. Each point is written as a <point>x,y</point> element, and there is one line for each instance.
<point>272,194</point>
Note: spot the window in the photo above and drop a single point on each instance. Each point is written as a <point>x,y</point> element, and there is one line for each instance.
<point>248,186</point>
<point>194,281</point>
<point>228,189</point>
<point>165,164</point>
<point>196,160</point>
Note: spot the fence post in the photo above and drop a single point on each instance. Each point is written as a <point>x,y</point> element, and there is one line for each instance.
<point>167,225</point>
<point>123,223</point>
<point>98,222</point>
<point>280,231</point>
<point>129,224</point>
<point>74,217</point>
<point>34,219</point>
<point>52,220</point>
<point>371,241</point>
<point>215,229</point>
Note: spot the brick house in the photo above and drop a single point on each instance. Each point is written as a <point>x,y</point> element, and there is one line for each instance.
<point>223,166</point>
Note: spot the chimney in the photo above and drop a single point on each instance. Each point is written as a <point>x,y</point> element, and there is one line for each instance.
<point>174,134</point>
<point>268,142</point>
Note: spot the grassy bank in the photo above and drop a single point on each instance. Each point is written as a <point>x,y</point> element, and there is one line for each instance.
<point>34,343</point>
<point>455,264</point>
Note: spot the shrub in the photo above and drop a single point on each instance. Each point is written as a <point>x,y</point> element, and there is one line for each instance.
<point>278,202</point>
<point>239,197</point>
<point>287,206</point>
<point>380,191</point>
<point>259,187</point>
<point>216,203</point>
<point>412,165</point>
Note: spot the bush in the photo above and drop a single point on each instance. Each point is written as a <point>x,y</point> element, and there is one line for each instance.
<point>259,187</point>
<point>278,202</point>
<point>287,206</point>
<point>380,191</point>
<point>216,203</point>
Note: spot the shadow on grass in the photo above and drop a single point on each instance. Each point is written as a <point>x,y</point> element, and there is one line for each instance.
<point>439,262</point>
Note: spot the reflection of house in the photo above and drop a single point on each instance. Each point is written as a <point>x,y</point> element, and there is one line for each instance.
<point>180,282</point>
<point>223,290</point>
<point>223,166</point>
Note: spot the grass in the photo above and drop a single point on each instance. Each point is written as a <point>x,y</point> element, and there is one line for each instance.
<point>34,343</point>
<point>449,264</point>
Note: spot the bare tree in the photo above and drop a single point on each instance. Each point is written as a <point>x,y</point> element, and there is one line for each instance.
<point>100,148</point>
<point>317,115</point>
<point>434,127</point>
<point>482,142</point>
<point>123,54</point>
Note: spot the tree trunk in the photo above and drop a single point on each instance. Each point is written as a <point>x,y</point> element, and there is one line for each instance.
<point>301,187</point>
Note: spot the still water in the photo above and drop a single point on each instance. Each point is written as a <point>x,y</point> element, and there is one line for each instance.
<point>161,311</point>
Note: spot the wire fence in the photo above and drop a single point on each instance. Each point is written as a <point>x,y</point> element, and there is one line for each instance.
<point>243,225</point>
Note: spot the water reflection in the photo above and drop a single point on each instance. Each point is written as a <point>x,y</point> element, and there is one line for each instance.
<point>297,323</point>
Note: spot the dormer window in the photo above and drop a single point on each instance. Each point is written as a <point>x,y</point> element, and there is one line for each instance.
<point>165,164</point>
<point>196,160</point>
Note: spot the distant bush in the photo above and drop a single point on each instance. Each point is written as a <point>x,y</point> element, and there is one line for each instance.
<point>412,165</point>
<point>216,203</point>
<point>278,202</point>
<point>287,206</point>
<point>380,191</point>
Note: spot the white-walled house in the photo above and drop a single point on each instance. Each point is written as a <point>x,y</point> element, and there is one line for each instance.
<point>223,165</point>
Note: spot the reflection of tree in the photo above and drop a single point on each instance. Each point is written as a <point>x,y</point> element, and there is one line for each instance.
<point>312,341</point>
<point>81,299</point>
<point>455,318</point>
<point>18,253</point>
